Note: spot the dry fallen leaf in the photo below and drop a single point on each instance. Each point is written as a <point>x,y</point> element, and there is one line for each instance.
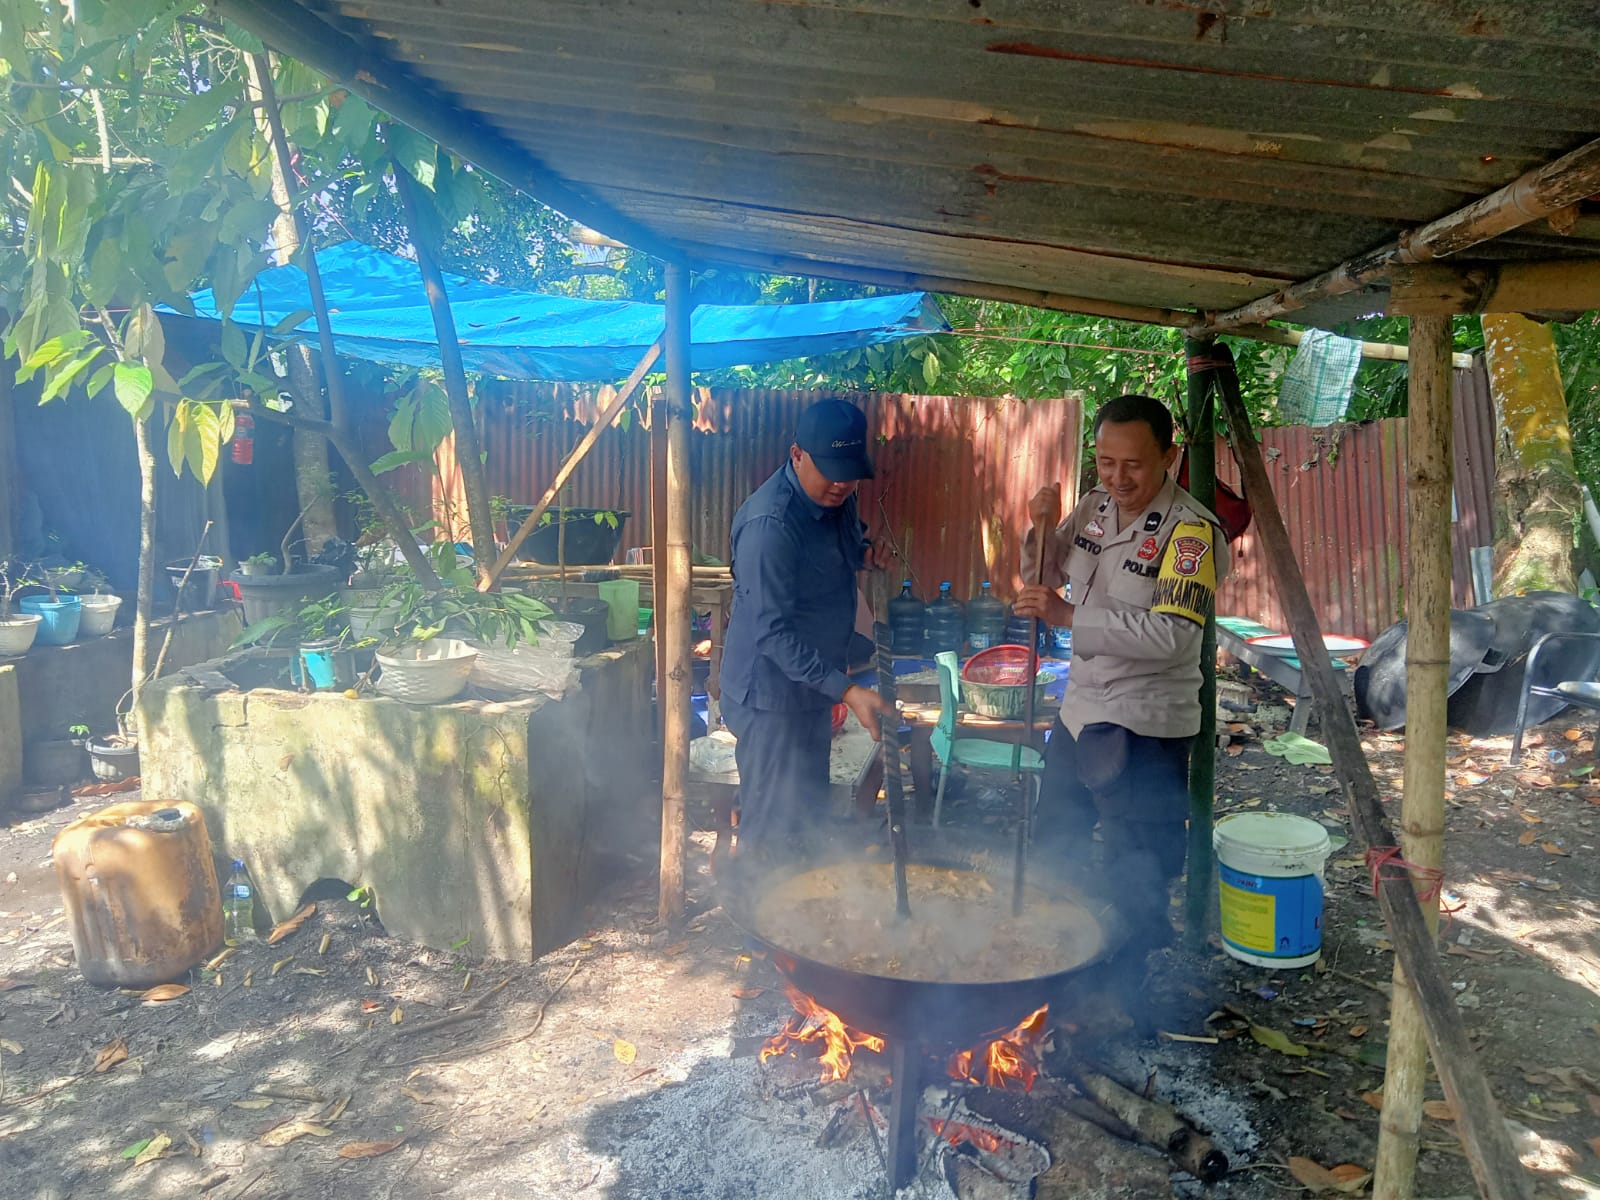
<point>216,962</point>
<point>1233,750</point>
<point>1527,838</point>
<point>749,993</point>
<point>372,977</point>
<point>1572,735</point>
<point>419,1097</point>
<point>156,1149</point>
<point>1442,1110</point>
<point>675,948</point>
<point>263,1102</point>
<point>322,946</point>
<point>624,1051</point>
<point>284,928</point>
<point>369,1149</point>
<point>110,1055</point>
<point>163,992</point>
<point>1374,1099</point>
<point>1357,1030</point>
<point>370,1006</point>
<point>1564,1108</point>
<point>289,1131</point>
<point>1349,1178</point>
<point>1530,818</point>
<point>281,964</point>
<point>335,1110</point>
<point>1552,848</point>
<point>1274,1039</point>
<point>397,1015</point>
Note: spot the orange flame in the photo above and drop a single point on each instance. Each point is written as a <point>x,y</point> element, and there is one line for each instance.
<point>956,1132</point>
<point>813,1023</point>
<point>1010,1058</point>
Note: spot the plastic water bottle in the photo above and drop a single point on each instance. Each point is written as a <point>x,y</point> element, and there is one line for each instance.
<point>238,906</point>
<point>906,617</point>
<point>986,620</point>
<point>946,623</point>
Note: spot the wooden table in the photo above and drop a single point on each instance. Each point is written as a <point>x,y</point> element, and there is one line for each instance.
<point>1233,634</point>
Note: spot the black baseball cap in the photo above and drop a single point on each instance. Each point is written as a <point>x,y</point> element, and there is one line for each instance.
<point>834,433</point>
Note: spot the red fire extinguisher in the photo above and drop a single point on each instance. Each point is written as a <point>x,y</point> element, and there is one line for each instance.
<point>243,447</point>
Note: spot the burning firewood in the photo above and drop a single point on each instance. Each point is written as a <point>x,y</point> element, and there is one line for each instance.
<point>1160,1125</point>
<point>1086,1162</point>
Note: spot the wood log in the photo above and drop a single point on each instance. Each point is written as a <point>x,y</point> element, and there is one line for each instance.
<point>1479,1123</point>
<point>1159,1125</point>
<point>1086,1162</point>
<point>1434,289</point>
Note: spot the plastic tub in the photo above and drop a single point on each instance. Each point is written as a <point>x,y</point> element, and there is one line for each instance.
<point>58,619</point>
<point>99,615</point>
<point>622,604</point>
<point>1270,868</point>
<point>646,615</point>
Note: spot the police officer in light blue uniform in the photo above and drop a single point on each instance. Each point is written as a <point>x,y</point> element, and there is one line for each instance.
<point>798,542</point>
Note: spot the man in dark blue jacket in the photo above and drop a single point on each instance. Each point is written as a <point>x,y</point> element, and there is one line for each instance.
<point>797,545</point>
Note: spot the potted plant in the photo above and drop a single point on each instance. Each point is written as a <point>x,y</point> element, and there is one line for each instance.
<point>591,535</point>
<point>114,757</point>
<point>59,614</point>
<point>98,608</point>
<point>259,564</point>
<point>316,634</point>
<point>52,762</point>
<point>283,593</point>
<point>194,582</point>
<point>17,629</point>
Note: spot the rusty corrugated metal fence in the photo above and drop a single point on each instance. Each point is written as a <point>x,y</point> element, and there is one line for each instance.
<point>1342,490</point>
<point>955,474</point>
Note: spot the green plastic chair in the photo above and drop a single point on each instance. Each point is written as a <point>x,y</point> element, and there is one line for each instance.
<point>952,748</point>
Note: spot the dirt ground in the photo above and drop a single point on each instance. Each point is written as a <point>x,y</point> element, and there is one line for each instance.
<point>623,1064</point>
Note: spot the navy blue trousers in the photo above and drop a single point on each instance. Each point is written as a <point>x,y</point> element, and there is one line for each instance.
<point>1138,789</point>
<point>783,778</point>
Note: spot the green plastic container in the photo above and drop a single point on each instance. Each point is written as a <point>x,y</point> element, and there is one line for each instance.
<point>646,615</point>
<point>622,604</point>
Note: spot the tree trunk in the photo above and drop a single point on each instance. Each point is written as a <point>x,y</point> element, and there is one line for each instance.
<point>1537,497</point>
<point>8,468</point>
<point>147,562</point>
<point>311,470</point>
<point>467,449</point>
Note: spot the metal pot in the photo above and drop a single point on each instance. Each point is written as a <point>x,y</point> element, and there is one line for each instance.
<point>936,1015</point>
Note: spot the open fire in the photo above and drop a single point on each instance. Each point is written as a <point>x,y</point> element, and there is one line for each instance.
<point>1008,1060</point>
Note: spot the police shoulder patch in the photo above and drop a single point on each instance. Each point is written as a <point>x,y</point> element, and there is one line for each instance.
<point>1187,584</point>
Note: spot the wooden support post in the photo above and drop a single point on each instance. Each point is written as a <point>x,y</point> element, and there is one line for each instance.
<point>1479,1122</point>
<point>601,424</point>
<point>672,606</point>
<point>658,542</point>
<point>1428,481</point>
<point>1200,420</point>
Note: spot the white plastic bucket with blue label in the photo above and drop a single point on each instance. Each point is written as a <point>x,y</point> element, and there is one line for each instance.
<point>1270,873</point>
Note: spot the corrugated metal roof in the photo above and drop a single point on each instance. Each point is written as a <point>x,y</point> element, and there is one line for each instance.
<point>1193,154</point>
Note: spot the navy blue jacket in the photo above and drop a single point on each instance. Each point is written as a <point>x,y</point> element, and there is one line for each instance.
<point>794,598</point>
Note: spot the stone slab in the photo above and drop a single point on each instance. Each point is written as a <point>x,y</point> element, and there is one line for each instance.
<point>475,823</point>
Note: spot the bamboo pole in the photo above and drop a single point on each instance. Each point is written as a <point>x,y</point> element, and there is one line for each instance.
<point>658,544</point>
<point>468,449</point>
<point>674,628</point>
<point>1428,482</point>
<point>1479,1122</point>
<point>1200,420</point>
<point>1438,289</point>
<point>1537,193</point>
<point>601,424</point>
<point>1277,335</point>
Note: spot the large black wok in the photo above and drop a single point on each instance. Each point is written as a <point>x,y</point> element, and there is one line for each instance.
<point>937,1016</point>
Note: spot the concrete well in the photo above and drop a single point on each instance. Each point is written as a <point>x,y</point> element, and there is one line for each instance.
<point>52,688</point>
<point>473,820</point>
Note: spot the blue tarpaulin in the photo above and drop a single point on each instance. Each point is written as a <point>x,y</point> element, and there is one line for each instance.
<point>379,312</point>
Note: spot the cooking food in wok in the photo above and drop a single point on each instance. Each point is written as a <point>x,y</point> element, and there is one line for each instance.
<point>961,929</point>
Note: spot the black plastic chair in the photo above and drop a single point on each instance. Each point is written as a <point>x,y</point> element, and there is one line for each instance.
<point>1585,693</point>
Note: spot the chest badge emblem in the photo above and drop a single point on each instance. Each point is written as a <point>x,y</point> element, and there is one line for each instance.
<point>1152,522</point>
<point>1094,529</point>
<point>1149,550</point>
